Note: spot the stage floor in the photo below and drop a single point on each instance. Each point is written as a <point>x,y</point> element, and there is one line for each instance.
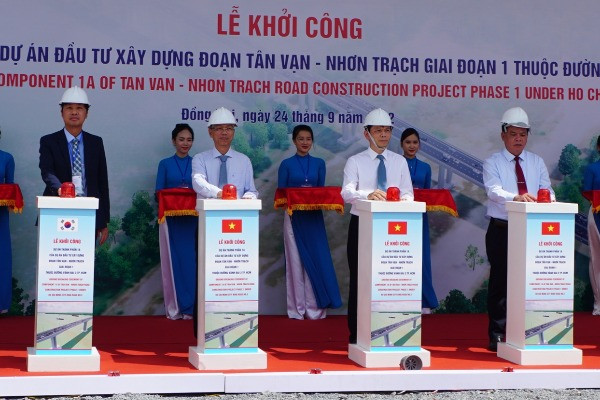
<point>140,354</point>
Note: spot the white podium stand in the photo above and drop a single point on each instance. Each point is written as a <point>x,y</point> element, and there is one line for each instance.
<point>65,286</point>
<point>228,286</point>
<point>540,290</point>
<point>389,284</point>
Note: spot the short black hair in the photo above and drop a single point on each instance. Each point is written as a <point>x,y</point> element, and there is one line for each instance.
<point>407,132</point>
<point>87,106</point>
<point>299,128</point>
<point>181,127</point>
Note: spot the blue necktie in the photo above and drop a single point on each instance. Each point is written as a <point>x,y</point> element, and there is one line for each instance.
<point>223,171</point>
<point>77,169</point>
<point>381,174</point>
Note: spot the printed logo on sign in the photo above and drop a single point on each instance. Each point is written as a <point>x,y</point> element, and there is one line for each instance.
<point>231,226</point>
<point>550,228</point>
<point>67,224</point>
<point>397,228</point>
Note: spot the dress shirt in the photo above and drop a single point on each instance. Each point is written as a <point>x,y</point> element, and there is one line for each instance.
<point>205,174</point>
<point>500,179</point>
<point>360,176</point>
<point>70,139</point>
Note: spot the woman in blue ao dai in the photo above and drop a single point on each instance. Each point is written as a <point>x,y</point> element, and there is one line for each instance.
<point>420,174</point>
<point>591,181</point>
<point>310,276</point>
<point>177,236</point>
<point>7,175</point>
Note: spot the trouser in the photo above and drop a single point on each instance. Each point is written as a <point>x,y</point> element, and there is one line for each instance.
<point>496,245</point>
<point>301,299</point>
<point>352,253</point>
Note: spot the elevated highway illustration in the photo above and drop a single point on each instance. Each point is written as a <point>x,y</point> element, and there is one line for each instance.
<point>450,159</point>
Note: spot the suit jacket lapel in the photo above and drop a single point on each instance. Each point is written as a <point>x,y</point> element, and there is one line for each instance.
<point>64,147</point>
<point>87,149</point>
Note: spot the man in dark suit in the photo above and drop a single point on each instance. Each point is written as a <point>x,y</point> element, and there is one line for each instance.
<point>73,155</point>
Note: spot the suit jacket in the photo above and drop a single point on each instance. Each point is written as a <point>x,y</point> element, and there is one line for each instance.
<point>55,166</point>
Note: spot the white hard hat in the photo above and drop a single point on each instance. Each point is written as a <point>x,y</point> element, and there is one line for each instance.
<point>74,95</point>
<point>378,117</point>
<point>515,117</point>
<point>221,116</point>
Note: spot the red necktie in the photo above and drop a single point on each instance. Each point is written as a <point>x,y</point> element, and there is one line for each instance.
<point>521,184</point>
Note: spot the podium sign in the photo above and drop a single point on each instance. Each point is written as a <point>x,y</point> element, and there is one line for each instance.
<point>228,286</point>
<point>65,286</point>
<point>389,284</point>
<point>540,290</point>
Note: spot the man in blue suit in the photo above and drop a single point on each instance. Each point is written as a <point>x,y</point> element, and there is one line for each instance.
<point>73,155</point>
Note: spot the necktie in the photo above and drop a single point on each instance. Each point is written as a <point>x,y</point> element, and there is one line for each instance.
<point>76,170</point>
<point>381,174</point>
<point>223,171</point>
<point>521,184</point>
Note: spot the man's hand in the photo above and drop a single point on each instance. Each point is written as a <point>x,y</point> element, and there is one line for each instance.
<point>220,194</point>
<point>103,233</point>
<point>378,195</point>
<point>526,197</point>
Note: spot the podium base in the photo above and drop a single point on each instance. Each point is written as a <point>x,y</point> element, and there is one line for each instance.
<point>62,363</point>
<point>382,359</point>
<point>224,361</point>
<point>519,356</point>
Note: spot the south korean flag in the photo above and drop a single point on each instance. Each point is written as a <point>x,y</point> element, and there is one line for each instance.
<point>67,224</point>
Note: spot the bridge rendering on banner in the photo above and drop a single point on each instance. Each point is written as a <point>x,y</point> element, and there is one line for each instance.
<point>450,159</point>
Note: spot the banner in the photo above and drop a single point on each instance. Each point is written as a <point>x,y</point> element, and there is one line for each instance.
<point>448,69</point>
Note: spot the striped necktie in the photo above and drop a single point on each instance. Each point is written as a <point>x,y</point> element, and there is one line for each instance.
<point>76,165</point>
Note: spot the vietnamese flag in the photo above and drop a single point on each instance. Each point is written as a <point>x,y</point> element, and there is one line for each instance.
<point>397,228</point>
<point>550,228</point>
<point>231,226</point>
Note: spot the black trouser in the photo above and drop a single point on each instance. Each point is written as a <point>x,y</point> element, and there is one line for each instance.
<point>352,253</point>
<point>496,246</point>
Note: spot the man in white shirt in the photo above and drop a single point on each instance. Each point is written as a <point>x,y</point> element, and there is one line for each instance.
<point>512,174</point>
<point>363,181</point>
<point>220,165</point>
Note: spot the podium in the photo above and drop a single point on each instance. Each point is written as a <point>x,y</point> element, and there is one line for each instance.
<point>540,289</point>
<point>228,279</point>
<point>389,284</point>
<point>65,286</point>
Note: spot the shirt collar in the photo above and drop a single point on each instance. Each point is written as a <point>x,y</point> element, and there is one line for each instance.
<point>509,157</point>
<point>216,153</point>
<point>70,137</point>
<point>373,154</point>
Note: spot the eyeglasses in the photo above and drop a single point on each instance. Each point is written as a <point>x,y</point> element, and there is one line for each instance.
<point>385,130</point>
<point>221,129</point>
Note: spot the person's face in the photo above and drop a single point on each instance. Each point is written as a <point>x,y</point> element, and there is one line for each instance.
<point>410,146</point>
<point>74,115</point>
<point>515,139</point>
<point>183,143</point>
<point>303,142</point>
<point>381,135</point>
<point>222,135</point>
